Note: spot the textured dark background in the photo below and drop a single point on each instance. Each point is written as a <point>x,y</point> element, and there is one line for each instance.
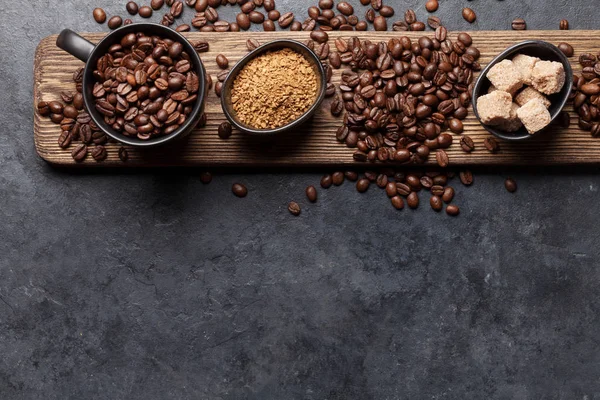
<point>151,285</point>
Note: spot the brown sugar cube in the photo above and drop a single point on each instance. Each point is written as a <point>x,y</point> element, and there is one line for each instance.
<point>506,77</point>
<point>512,124</point>
<point>530,93</point>
<point>534,115</point>
<point>494,108</point>
<point>524,65</point>
<point>548,77</point>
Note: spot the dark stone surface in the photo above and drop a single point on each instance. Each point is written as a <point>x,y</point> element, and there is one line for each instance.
<point>153,286</point>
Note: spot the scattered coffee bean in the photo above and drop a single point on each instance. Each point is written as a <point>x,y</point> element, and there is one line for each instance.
<point>222,61</point>
<point>132,7</point>
<point>79,153</point>
<point>206,178</point>
<point>145,12</point>
<point>351,176</point>
<point>510,185</point>
<point>491,144</point>
<point>157,4</point>
<point>252,44</point>
<point>397,202</point>
<point>225,130</point>
<point>452,210</point>
<point>115,22</point>
<point>239,190</point>
<point>519,24</point>
<point>442,158</point>
<point>431,5</point>
<point>363,185</point>
<point>311,194</point>
<point>469,15</point>
<point>99,153</point>
<point>413,200</point>
<point>337,178</point>
<point>99,15</point>
<point>294,209</point>
<point>448,195</point>
<point>467,144</point>
<point>563,25</point>
<point>466,177</point>
<point>566,48</point>
<point>326,181</point>
<point>380,23</point>
<point>436,203</point>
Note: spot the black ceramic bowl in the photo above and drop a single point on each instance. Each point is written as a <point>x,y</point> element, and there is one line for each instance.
<point>534,48</point>
<point>275,45</point>
<point>90,53</point>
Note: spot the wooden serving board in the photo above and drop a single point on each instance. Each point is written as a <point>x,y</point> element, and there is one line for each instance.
<point>314,144</point>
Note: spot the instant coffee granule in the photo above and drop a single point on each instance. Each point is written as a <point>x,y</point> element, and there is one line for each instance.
<point>274,89</point>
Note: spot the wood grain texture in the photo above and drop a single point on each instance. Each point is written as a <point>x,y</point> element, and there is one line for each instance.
<point>314,144</point>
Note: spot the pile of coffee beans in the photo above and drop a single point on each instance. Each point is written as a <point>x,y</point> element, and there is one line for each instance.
<point>77,128</point>
<point>146,86</point>
<point>586,93</point>
<point>401,96</point>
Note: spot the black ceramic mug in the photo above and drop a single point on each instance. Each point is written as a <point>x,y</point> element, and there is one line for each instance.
<point>90,53</point>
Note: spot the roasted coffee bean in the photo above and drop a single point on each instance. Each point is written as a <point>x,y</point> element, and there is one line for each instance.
<point>157,4</point>
<point>319,36</point>
<point>345,8</point>
<point>256,17</point>
<point>352,176</point>
<point>467,144</point>
<point>491,144</point>
<point>563,25</point>
<point>413,200</point>
<point>469,15</point>
<point>225,130</point>
<point>448,195</point>
<point>431,5</point>
<point>132,7</point>
<point>337,178</point>
<point>269,5</point>
<point>397,202</point>
<point>510,185</point>
<point>115,22</point>
<point>410,17</point>
<point>442,158</point>
<point>380,23</point>
<point>239,190</point>
<point>455,125</point>
<point>65,139</point>
<point>466,177</point>
<point>311,194</point>
<point>79,153</point>
<point>252,44</point>
<point>286,20</point>
<point>363,185</point>
<point>566,48</point>
<point>269,26</point>
<point>55,107</point>
<point>326,181</point>
<point>294,208</point>
<point>206,178</point>
<point>519,24</point>
<point>43,109</point>
<point>70,112</point>
<point>222,61</point>
<point>67,97</point>
<point>99,15</point>
<point>436,203</point>
<point>434,22</point>
<point>177,10</point>
<point>452,210</point>
<point>99,153</point>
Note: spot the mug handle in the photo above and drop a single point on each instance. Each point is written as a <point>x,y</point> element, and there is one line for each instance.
<point>74,44</point>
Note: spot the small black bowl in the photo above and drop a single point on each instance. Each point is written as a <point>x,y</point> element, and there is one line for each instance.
<point>534,48</point>
<point>90,53</point>
<point>274,45</point>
